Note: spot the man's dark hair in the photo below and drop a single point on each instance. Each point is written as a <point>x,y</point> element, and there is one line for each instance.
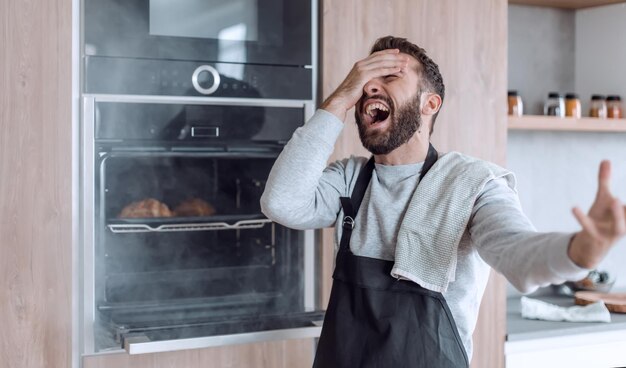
<point>429,72</point>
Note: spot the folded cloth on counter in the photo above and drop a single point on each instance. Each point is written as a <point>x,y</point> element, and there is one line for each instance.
<point>537,309</point>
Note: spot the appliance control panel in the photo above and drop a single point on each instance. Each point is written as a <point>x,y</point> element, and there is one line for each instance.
<point>186,78</point>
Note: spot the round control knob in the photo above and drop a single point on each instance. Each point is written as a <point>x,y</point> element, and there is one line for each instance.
<point>205,79</point>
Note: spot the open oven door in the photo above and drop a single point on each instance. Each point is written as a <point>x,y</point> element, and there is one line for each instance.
<point>305,325</point>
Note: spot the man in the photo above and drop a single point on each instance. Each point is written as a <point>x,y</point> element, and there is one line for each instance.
<point>417,230</point>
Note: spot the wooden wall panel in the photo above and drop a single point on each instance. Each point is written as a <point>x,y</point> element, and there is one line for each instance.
<point>280,354</point>
<point>35,183</point>
<point>468,40</point>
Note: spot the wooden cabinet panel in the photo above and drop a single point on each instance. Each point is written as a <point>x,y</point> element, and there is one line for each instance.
<point>468,40</point>
<point>35,183</point>
<point>280,354</point>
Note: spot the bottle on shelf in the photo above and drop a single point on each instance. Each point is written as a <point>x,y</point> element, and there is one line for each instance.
<point>516,106</point>
<point>555,105</point>
<point>614,107</point>
<point>572,105</point>
<point>597,108</point>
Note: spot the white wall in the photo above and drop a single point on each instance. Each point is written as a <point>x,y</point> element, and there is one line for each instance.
<point>541,53</point>
<point>601,51</point>
<point>558,170</point>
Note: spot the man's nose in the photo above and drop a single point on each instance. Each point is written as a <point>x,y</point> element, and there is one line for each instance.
<point>372,87</point>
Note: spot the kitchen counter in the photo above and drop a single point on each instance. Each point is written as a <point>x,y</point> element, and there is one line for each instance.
<point>539,344</point>
<point>519,328</point>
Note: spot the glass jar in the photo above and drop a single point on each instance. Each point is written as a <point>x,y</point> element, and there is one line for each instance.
<point>572,105</point>
<point>516,106</point>
<point>614,107</point>
<point>555,105</point>
<point>597,108</point>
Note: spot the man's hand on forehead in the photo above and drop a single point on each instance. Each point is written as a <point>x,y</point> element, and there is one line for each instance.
<point>377,64</point>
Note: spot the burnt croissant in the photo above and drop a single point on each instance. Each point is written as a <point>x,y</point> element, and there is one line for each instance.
<point>148,207</point>
<point>194,207</point>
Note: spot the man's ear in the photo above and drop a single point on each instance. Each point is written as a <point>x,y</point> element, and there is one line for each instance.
<point>431,103</point>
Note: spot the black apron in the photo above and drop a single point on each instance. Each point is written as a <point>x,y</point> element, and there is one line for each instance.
<point>376,320</point>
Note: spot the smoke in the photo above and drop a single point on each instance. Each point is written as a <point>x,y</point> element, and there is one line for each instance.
<point>155,280</point>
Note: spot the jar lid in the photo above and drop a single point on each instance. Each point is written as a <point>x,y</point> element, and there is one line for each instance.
<point>597,97</point>
<point>613,98</point>
<point>571,96</point>
<point>512,93</point>
<point>554,95</point>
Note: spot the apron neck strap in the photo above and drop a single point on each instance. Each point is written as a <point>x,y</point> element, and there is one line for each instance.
<point>431,158</point>
<point>352,204</point>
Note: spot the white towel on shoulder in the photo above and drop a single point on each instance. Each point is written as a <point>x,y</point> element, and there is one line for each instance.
<point>439,211</point>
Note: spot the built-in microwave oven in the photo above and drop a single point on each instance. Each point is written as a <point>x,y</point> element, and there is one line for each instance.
<point>234,48</point>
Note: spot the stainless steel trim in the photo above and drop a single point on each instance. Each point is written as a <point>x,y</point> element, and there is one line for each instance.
<point>87,222</point>
<point>204,226</point>
<point>310,289</point>
<point>314,49</point>
<point>76,337</point>
<point>309,270</point>
<point>142,345</point>
<point>191,100</point>
<point>183,152</point>
<point>196,83</point>
<point>309,110</point>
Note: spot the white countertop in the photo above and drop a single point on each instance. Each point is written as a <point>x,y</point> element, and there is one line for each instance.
<point>519,329</point>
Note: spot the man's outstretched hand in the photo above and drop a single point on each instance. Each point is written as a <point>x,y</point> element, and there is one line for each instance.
<point>602,227</point>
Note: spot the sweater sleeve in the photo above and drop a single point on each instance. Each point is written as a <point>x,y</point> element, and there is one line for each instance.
<point>301,191</point>
<point>508,242</point>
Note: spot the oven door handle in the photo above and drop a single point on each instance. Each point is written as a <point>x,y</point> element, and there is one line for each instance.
<point>205,132</point>
<point>141,343</point>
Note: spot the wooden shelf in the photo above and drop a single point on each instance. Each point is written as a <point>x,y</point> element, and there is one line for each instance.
<point>566,4</point>
<point>538,122</point>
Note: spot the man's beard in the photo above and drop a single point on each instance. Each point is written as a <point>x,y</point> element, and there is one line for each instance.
<point>403,124</point>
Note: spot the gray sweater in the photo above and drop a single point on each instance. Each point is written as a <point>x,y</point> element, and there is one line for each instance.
<point>302,192</point>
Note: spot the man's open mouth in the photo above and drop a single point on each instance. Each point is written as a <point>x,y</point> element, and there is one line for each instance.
<point>375,112</point>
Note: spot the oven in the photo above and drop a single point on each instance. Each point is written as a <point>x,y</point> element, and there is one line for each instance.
<point>186,106</point>
<point>177,253</point>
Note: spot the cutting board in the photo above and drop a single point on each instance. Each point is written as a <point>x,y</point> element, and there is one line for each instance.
<point>615,302</point>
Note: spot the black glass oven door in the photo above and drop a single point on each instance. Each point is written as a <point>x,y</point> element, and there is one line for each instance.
<point>276,32</point>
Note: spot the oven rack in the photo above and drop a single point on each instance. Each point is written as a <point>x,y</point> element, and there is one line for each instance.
<point>178,225</point>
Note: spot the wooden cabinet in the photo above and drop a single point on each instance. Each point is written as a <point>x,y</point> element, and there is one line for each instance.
<point>36,183</point>
<point>278,354</point>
